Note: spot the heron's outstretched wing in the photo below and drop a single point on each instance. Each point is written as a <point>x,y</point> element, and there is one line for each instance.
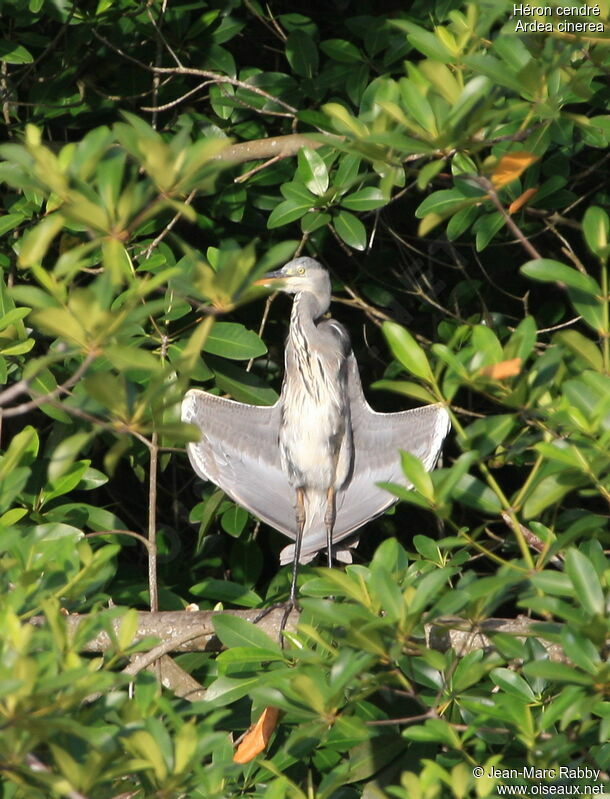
<point>239,452</point>
<point>378,437</point>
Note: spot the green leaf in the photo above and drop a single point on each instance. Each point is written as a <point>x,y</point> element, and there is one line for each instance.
<point>486,434</point>
<point>23,448</point>
<point>475,91</point>
<point>596,226</point>
<point>512,683</point>
<point>428,587</point>
<point>65,453</point>
<point>590,308</point>
<point>584,292</point>
<point>13,53</point>
<point>343,121</point>
<point>581,346</point>
<point>562,451</point>
<point>405,387</point>
<point>580,650</point>
<point>445,480</point>
<point>444,202</point>
<point>386,592</point>
<point>13,316</point>
<point>472,492</point>
<point>37,241</point>
<point>124,357</point>
<point>226,690</point>
<point>59,322</point>
<point>522,341</point>
<point>9,222</point>
<point>287,212</point>
<point>234,520</point>
<point>235,631</point>
<point>342,51</point>
<point>247,656</point>
<point>65,482</point>
<point>391,556</point>
<point>226,591</point>
<point>586,583</point>
<point>547,270</point>
<point>347,171</point>
<point>116,260</point>
<point>486,228</point>
<point>407,351</point>
<point>461,221</point>
<point>424,41</point>
<point>549,491</point>
<point>45,383</point>
<point>428,172</point>
<point>417,105</point>
<point>312,171</point>
<point>298,192</point>
<point>350,229</point>
<point>364,200</point>
<point>221,100</point>
<point>314,220</point>
<point>302,53</point>
<point>242,385</point>
<point>232,340</point>
<point>556,672</point>
<point>369,757</point>
<point>417,475</point>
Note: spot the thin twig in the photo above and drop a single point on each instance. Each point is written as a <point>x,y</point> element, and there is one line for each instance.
<point>261,328</point>
<point>569,323</point>
<point>240,101</point>
<point>160,34</point>
<point>158,239</point>
<point>178,100</point>
<point>152,524</point>
<point>202,73</point>
<point>51,395</point>
<point>142,539</point>
<point>510,223</point>
<point>255,169</point>
<point>169,645</point>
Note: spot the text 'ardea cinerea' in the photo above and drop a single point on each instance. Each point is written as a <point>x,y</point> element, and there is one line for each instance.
<point>309,465</point>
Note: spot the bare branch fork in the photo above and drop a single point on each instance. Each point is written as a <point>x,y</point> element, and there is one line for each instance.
<point>201,73</point>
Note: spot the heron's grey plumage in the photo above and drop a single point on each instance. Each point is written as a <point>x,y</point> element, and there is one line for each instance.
<point>321,433</point>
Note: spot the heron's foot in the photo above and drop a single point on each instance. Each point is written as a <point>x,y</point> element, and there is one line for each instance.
<point>287,607</point>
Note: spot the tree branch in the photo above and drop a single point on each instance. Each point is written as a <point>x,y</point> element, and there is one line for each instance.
<point>261,149</point>
<point>184,631</point>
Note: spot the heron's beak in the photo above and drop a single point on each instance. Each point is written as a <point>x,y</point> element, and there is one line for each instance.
<point>270,279</point>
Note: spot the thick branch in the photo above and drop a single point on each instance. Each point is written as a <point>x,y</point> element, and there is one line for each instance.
<point>194,631</point>
<point>277,146</point>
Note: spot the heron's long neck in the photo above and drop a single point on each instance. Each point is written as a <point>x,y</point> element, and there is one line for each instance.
<point>306,310</point>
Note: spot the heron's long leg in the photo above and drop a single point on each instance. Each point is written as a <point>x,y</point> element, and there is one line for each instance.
<point>300,518</point>
<point>329,521</point>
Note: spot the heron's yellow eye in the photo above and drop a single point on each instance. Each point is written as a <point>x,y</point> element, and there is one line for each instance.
<point>301,270</point>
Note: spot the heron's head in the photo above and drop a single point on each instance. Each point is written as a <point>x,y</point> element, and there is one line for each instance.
<point>300,275</point>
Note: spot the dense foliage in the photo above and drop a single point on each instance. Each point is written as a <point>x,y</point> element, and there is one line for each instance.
<point>451,173</point>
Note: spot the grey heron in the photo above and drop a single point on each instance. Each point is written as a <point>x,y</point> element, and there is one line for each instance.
<point>310,464</point>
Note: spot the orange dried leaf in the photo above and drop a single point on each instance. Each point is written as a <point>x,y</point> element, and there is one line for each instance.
<point>503,369</point>
<point>510,166</point>
<point>521,200</point>
<point>257,737</point>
